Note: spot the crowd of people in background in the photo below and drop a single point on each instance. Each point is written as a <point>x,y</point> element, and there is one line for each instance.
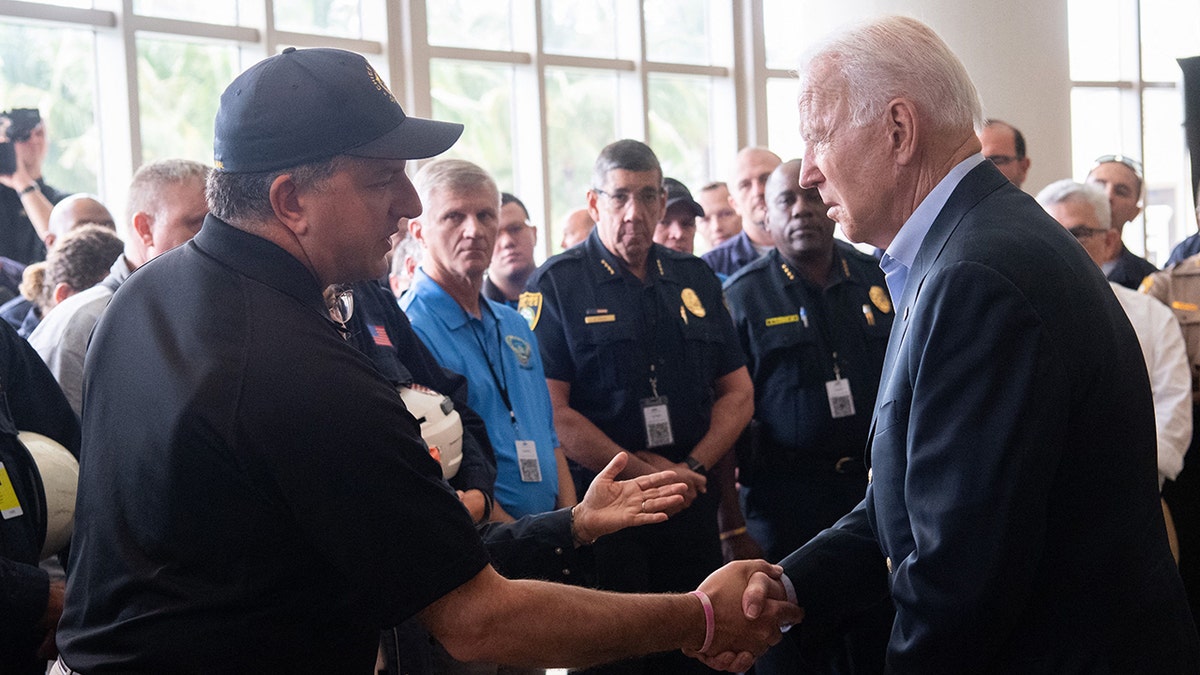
<point>941,450</point>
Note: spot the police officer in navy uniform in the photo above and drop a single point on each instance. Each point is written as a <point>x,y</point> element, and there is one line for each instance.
<point>640,355</point>
<point>813,317</point>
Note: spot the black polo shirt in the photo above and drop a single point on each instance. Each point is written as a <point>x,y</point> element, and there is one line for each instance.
<point>19,240</point>
<point>602,330</point>
<point>253,495</point>
<point>797,337</point>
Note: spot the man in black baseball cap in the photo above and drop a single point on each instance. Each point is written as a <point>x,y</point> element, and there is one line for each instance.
<point>677,229</point>
<point>254,495</point>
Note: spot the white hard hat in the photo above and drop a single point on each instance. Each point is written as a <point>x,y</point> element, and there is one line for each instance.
<point>60,479</point>
<point>441,427</point>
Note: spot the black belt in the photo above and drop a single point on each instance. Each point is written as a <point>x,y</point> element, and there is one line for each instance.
<point>794,463</point>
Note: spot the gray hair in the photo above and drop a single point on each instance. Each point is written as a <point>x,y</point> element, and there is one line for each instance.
<point>896,57</point>
<point>1067,191</point>
<point>626,154</point>
<point>146,188</point>
<point>453,176</point>
<point>244,198</point>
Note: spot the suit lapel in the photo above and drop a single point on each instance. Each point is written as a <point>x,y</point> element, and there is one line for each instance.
<point>979,182</point>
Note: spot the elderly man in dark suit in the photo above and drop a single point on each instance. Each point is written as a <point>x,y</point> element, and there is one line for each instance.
<point>1012,508</point>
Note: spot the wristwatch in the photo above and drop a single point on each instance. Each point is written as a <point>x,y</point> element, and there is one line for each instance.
<point>696,465</point>
<point>27,189</point>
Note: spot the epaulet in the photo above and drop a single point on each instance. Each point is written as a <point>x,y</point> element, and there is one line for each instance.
<point>575,253</point>
<point>753,267</point>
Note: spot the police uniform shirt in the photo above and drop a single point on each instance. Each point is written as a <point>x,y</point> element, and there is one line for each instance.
<point>499,357</point>
<point>601,329</point>
<point>797,337</point>
<point>253,495</point>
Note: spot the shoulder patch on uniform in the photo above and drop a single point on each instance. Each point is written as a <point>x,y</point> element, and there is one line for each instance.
<point>692,302</point>
<point>529,306</point>
<point>1144,287</point>
<point>881,300</point>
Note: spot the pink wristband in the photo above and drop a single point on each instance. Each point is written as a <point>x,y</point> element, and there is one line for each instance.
<point>710,622</point>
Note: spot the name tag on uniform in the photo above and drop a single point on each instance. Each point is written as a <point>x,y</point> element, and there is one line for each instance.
<point>600,318</point>
<point>841,403</point>
<point>781,320</point>
<point>658,422</point>
<point>527,460</point>
<point>10,506</point>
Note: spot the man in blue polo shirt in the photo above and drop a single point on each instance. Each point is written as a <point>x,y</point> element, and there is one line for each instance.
<point>486,341</point>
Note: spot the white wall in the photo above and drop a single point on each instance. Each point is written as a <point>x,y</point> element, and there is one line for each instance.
<point>1015,51</point>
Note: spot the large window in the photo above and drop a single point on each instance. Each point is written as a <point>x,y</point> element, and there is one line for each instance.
<point>1127,98</point>
<point>588,73</point>
<point>53,70</point>
<point>541,85</point>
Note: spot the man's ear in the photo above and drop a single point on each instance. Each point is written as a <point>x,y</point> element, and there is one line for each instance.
<point>416,230</point>
<point>143,228</point>
<point>903,128</point>
<point>286,203</point>
<point>48,240</point>
<point>593,205</point>
<point>62,291</point>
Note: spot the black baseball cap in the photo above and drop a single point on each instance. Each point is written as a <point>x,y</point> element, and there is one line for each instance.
<point>677,193</point>
<point>306,105</point>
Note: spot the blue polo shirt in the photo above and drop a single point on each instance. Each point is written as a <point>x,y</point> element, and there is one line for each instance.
<point>497,353</point>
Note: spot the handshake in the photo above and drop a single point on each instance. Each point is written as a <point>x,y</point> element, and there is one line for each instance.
<point>746,610</point>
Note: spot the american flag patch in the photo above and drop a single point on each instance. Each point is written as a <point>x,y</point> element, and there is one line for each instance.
<point>379,335</point>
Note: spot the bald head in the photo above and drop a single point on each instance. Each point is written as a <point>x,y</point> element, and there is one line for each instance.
<point>577,226</point>
<point>75,210</point>
<point>752,168</point>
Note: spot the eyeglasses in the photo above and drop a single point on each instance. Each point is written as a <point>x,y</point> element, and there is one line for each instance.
<point>1083,231</point>
<point>1133,165</point>
<point>339,300</point>
<point>1001,160</point>
<point>620,199</point>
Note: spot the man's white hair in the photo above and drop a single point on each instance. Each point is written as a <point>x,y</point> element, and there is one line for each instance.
<point>1067,191</point>
<point>897,57</point>
<point>452,176</point>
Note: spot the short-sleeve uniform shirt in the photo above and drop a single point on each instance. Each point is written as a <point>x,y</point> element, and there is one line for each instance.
<point>619,342</point>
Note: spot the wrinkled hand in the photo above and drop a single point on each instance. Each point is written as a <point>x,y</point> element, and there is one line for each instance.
<point>744,631</point>
<point>610,505</point>
<point>697,484</point>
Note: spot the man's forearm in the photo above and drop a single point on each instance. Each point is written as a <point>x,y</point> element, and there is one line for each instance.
<point>731,412</point>
<point>533,623</point>
<point>586,444</point>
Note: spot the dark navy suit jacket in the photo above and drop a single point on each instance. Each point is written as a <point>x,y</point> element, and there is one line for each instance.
<point>1012,510</point>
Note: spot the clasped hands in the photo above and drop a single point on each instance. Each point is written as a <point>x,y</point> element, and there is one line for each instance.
<point>750,608</point>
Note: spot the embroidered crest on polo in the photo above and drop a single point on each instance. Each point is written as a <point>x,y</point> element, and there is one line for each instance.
<point>520,348</point>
